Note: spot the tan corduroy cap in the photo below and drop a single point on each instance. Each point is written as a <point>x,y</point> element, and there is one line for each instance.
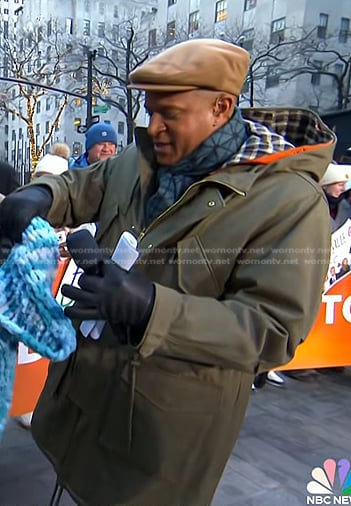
<point>209,64</point>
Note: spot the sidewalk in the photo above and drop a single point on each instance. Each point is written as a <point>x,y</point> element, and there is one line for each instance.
<point>287,432</point>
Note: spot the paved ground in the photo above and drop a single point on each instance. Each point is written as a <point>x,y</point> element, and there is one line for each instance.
<point>287,432</point>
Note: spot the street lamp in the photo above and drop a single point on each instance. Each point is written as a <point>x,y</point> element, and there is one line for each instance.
<point>91,58</point>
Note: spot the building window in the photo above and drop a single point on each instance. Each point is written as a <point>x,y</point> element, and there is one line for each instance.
<point>47,104</point>
<point>38,106</point>
<point>315,79</point>
<point>6,11</point>
<point>122,102</point>
<point>221,12</point>
<point>120,127</point>
<point>316,76</point>
<point>152,38</point>
<point>171,31</point>
<point>277,30</point>
<point>344,30</point>
<point>323,26</point>
<point>339,69</point>
<point>249,4</point>
<point>47,127</point>
<point>49,28</point>
<point>69,26</point>
<point>115,33</point>
<point>171,2</point>
<point>101,29</point>
<point>87,5</point>
<point>272,77</point>
<point>115,11</point>
<point>194,19</point>
<point>6,66</point>
<point>40,33</point>
<point>101,8</point>
<point>6,29</point>
<point>248,39</point>
<point>86,27</point>
<point>37,128</point>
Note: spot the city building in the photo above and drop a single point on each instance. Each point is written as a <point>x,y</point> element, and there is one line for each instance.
<point>300,50</point>
<point>79,51</point>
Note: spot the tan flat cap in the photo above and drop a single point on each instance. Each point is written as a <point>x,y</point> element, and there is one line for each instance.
<point>209,64</point>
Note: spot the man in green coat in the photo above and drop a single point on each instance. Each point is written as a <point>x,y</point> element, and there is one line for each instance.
<point>234,239</point>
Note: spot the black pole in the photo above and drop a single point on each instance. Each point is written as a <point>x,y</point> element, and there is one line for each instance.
<point>91,57</point>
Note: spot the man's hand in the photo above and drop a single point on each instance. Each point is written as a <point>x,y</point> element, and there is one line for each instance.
<point>106,291</point>
<point>18,209</point>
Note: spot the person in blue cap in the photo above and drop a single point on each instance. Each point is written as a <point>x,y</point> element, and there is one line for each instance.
<point>100,144</point>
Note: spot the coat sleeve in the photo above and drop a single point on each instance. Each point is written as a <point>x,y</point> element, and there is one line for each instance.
<point>270,300</point>
<point>77,194</point>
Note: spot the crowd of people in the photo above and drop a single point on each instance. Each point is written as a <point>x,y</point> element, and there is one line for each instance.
<point>215,194</point>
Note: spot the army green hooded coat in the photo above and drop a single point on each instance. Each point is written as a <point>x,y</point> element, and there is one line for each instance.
<point>238,264</point>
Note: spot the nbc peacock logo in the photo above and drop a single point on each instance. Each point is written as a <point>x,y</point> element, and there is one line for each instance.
<point>331,483</point>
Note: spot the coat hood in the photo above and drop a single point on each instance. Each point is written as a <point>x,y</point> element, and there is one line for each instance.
<point>312,140</point>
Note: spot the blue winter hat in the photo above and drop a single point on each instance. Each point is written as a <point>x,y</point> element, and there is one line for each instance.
<point>100,132</point>
<point>28,310</point>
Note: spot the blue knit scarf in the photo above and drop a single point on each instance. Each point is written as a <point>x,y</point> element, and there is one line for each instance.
<point>28,311</point>
<point>172,181</point>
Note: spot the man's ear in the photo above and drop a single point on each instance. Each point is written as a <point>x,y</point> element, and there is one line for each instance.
<point>224,106</point>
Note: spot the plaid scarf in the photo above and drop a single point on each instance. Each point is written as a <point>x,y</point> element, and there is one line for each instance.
<point>211,154</point>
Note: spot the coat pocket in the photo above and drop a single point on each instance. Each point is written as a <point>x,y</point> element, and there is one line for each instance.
<point>196,275</point>
<point>172,417</point>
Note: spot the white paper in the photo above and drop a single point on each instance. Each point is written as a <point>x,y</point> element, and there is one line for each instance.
<point>124,255</point>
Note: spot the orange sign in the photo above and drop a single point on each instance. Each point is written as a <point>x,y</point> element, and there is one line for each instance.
<point>31,370</point>
<point>329,342</point>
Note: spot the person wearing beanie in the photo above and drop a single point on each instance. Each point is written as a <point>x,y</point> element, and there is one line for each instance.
<point>55,162</point>
<point>100,144</point>
<point>334,185</point>
<point>147,412</point>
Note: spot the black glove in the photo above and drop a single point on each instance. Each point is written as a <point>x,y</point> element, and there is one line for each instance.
<point>106,291</point>
<point>18,209</point>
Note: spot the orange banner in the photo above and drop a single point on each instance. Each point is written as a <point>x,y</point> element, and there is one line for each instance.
<point>329,342</point>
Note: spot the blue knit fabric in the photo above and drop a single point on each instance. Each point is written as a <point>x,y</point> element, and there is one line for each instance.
<point>28,311</point>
